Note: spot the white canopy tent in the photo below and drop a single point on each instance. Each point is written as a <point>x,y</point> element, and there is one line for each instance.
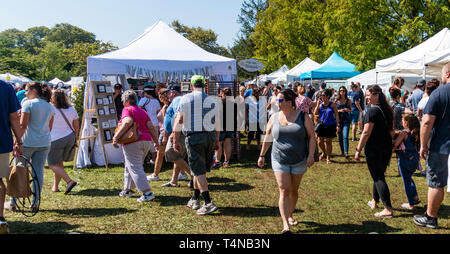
<point>160,54</point>
<point>426,58</point>
<point>14,78</point>
<point>55,81</point>
<point>384,79</point>
<point>304,66</point>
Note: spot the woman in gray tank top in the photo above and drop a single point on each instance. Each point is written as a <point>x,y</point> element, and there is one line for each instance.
<point>292,134</point>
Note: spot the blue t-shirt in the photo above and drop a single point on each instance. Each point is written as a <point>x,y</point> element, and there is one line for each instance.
<point>354,98</point>
<point>439,106</point>
<point>415,98</point>
<point>37,133</point>
<point>8,105</point>
<point>247,93</point>
<point>21,95</point>
<point>170,114</point>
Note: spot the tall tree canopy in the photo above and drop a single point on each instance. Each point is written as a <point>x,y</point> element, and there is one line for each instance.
<point>361,31</point>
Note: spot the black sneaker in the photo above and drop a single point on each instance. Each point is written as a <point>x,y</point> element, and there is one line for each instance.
<point>426,221</point>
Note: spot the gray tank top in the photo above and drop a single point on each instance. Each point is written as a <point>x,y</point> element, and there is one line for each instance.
<point>289,146</point>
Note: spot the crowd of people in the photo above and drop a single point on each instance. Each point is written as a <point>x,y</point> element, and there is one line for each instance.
<point>296,120</point>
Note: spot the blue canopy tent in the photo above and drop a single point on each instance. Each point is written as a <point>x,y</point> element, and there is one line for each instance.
<point>335,67</point>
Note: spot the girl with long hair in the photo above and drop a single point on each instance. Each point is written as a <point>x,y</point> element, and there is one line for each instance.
<point>344,108</point>
<point>376,140</point>
<point>408,157</point>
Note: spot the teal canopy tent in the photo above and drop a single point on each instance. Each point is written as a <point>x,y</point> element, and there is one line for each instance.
<point>335,67</point>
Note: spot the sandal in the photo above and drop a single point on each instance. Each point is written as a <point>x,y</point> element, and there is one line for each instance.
<point>328,161</point>
<point>407,206</point>
<point>381,215</point>
<point>169,184</point>
<point>372,205</point>
<point>292,222</point>
<point>70,187</point>
<point>286,232</point>
<point>321,156</point>
<point>226,164</point>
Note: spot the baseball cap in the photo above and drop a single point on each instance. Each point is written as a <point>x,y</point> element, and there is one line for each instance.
<point>421,82</point>
<point>172,87</point>
<point>197,78</point>
<point>117,86</point>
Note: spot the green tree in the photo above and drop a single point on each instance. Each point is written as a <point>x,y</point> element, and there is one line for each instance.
<point>69,35</point>
<point>206,39</point>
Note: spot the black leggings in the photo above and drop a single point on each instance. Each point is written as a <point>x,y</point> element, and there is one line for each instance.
<point>377,164</point>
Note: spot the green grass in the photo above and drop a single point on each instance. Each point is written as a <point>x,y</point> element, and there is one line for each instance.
<point>332,199</point>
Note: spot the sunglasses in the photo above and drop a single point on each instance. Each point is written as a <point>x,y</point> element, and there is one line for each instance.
<point>280,100</point>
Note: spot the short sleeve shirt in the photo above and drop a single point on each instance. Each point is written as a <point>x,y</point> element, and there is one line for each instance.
<point>380,136</point>
<point>302,103</point>
<point>37,133</point>
<point>60,127</point>
<point>170,114</point>
<point>8,104</point>
<point>354,98</point>
<point>439,105</point>
<point>141,118</point>
<point>152,107</point>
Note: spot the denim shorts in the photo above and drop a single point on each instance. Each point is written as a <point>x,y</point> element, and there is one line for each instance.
<point>354,116</point>
<point>225,134</point>
<point>295,169</point>
<point>437,170</point>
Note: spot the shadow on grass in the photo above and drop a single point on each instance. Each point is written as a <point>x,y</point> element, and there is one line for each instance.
<point>91,212</point>
<point>220,180</point>
<point>259,211</point>
<point>365,228</point>
<point>24,227</point>
<point>233,187</point>
<point>97,193</point>
<point>172,200</point>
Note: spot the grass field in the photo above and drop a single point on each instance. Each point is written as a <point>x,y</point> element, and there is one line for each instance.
<point>333,199</point>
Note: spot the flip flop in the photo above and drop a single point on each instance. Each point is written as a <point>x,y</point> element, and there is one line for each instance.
<point>380,215</point>
<point>70,187</point>
<point>286,232</point>
<point>370,205</point>
<point>292,222</point>
<point>169,184</point>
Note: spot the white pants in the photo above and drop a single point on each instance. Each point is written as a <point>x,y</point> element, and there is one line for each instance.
<point>134,174</point>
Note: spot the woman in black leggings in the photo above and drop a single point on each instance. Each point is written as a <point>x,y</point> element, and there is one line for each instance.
<point>377,142</point>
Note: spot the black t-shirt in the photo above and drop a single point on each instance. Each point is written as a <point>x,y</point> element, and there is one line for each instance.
<point>380,139</point>
<point>119,106</point>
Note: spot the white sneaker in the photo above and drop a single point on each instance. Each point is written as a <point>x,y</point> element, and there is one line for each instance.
<point>194,204</point>
<point>205,209</point>
<point>182,177</point>
<point>152,177</point>
<point>146,197</point>
<point>126,194</point>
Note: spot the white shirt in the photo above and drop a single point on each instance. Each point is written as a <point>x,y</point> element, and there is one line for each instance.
<point>423,102</point>
<point>60,128</point>
<point>152,107</point>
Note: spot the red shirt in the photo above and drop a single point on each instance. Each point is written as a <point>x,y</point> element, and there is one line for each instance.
<point>141,118</point>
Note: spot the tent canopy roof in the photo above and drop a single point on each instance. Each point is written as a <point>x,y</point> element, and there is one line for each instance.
<point>304,66</point>
<point>159,48</point>
<point>434,51</point>
<point>334,67</point>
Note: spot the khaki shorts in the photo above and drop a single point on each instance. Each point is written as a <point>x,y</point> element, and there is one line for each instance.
<point>4,165</point>
<point>171,154</point>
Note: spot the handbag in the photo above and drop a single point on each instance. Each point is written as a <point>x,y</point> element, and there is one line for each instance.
<point>131,135</point>
<point>18,182</point>
<point>69,156</point>
<point>319,126</point>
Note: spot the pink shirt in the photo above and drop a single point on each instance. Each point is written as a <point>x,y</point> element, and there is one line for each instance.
<point>302,103</point>
<point>141,118</point>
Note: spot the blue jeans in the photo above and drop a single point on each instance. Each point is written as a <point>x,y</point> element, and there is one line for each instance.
<point>408,182</point>
<point>344,129</point>
<point>37,156</point>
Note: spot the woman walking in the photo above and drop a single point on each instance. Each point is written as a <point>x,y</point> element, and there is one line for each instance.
<point>302,102</point>
<point>328,114</point>
<point>408,157</point>
<point>36,122</point>
<point>344,108</point>
<point>377,133</point>
<point>64,134</point>
<point>152,107</point>
<point>293,148</point>
<point>135,152</point>
<point>226,135</point>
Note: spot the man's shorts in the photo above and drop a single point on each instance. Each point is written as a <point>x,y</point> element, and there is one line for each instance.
<point>354,116</point>
<point>171,154</point>
<point>4,165</point>
<point>160,138</point>
<point>200,151</point>
<point>437,170</point>
<point>225,134</point>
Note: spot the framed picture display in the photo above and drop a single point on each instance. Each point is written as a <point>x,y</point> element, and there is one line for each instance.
<point>105,124</point>
<point>110,98</point>
<point>99,101</point>
<point>105,101</point>
<point>108,135</point>
<point>106,109</point>
<point>101,88</point>
<point>112,111</point>
<point>112,123</point>
<point>185,87</point>
<point>101,112</point>
<point>109,89</point>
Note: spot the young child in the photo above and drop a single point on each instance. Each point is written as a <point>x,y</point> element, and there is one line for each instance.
<point>408,157</point>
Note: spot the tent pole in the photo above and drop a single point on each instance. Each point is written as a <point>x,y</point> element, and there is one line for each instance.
<point>376,78</point>
<point>424,71</point>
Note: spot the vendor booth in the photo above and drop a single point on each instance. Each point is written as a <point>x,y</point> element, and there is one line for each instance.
<point>427,58</point>
<point>304,66</point>
<point>159,54</point>
<point>335,67</point>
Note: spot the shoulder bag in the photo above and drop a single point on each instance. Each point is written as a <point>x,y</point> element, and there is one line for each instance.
<point>131,135</point>
<point>69,156</point>
<point>319,126</point>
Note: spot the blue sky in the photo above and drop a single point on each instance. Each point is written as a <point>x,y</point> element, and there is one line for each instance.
<point>122,21</point>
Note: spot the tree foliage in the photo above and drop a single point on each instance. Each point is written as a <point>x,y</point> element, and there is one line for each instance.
<point>43,53</point>
<point>361,31</point>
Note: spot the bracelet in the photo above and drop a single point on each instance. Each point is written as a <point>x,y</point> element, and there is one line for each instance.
<point>263,156</point>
